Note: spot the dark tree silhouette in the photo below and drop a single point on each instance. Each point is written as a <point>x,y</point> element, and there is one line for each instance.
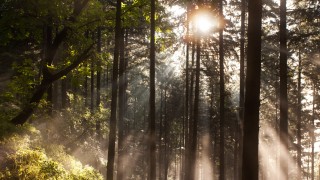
<point>250,160</point>
<point>152,103</point>
<point>114,94</point>
<point>283,90</point>
<point>222,97</point>
<point>242,78</point>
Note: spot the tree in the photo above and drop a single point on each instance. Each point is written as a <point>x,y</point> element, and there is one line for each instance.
<point>49,77</point>
<point>222,97</point>
<point>114,93</point>
<point>152,98</point>
<point>242,78</point>
<point>283,90</point>
<point>121,111</point>
<point>250,160</point>
<point>299,119</point>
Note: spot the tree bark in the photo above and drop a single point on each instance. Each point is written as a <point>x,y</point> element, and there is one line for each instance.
<point>250,162</point>
<point>242,81</point>
<point>194,142</point>
<point>312,131</point>
<point>98,98</point>
<point>186,113</point>
<point>121,111</point>
<point>222,96</point>
<point>152,110</point>
<point>114,94</point>
<point>283,91</point>
<point>299,119</point>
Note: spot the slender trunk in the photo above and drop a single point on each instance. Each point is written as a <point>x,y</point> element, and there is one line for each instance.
<point>86,89</point>
<point>166,140</point>
<point>120,173</point>
<point>242,78</point>
<point>250,162</point>
<point>236,151</point>
<point>299,119</point>
<point>283,91</point>
<point>221,123</point>
<point>92,87</point>
<point>312,131</point>
<point>98,98</point>
<point>186,115</point>
<point>193,148</point>
<point>152,110</point>
<point>160,136</point>
<point>114,93</point>
<point>191,115</point>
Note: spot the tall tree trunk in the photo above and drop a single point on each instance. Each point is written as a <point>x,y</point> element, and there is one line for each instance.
<point>186,113</point>
<point>92,87</point>
<point>242,78</point>
<point>121,108</point>
<point>85,95</point>
<point>191,118</point>
<point>283,91</point>
<point>152,103</point>
<point>114,94</point>
<point>161,129</point>
<point>312,131</point>
<point>250,160</point>
<point>193,148</point>
<point>98,98</point>
<point>221,123</point>
<point>166,137</point>
<point>299,119</point>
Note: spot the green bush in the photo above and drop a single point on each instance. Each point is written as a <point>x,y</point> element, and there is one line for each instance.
<point>26,161</point>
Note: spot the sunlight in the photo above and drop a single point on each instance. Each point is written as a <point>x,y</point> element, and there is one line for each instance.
<point>205,166</point>
<point>204,22</point>
<point>270,148</point>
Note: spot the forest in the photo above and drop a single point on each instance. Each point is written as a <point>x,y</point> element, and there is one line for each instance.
<point>159,89</point>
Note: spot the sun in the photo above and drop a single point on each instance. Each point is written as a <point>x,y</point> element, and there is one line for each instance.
<point>204,22</point>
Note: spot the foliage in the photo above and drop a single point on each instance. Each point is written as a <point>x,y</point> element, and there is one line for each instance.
<point>27,159</point>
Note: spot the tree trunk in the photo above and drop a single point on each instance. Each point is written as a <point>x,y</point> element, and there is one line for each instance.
<point>283,91</point>
<point>250,162</point>
<point>98,98</point>
<point>193,148</point>
<point>114,93</point>
<point>299,119</point>
<point>152,104</point>
<point>242,78</point>
<point>186,113</point>
<point>221,123</point>
<point>191,118</point>
<point>312,131</point>
<point>161,129</point>
<point>121,108</point>
<point>92,87</point>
